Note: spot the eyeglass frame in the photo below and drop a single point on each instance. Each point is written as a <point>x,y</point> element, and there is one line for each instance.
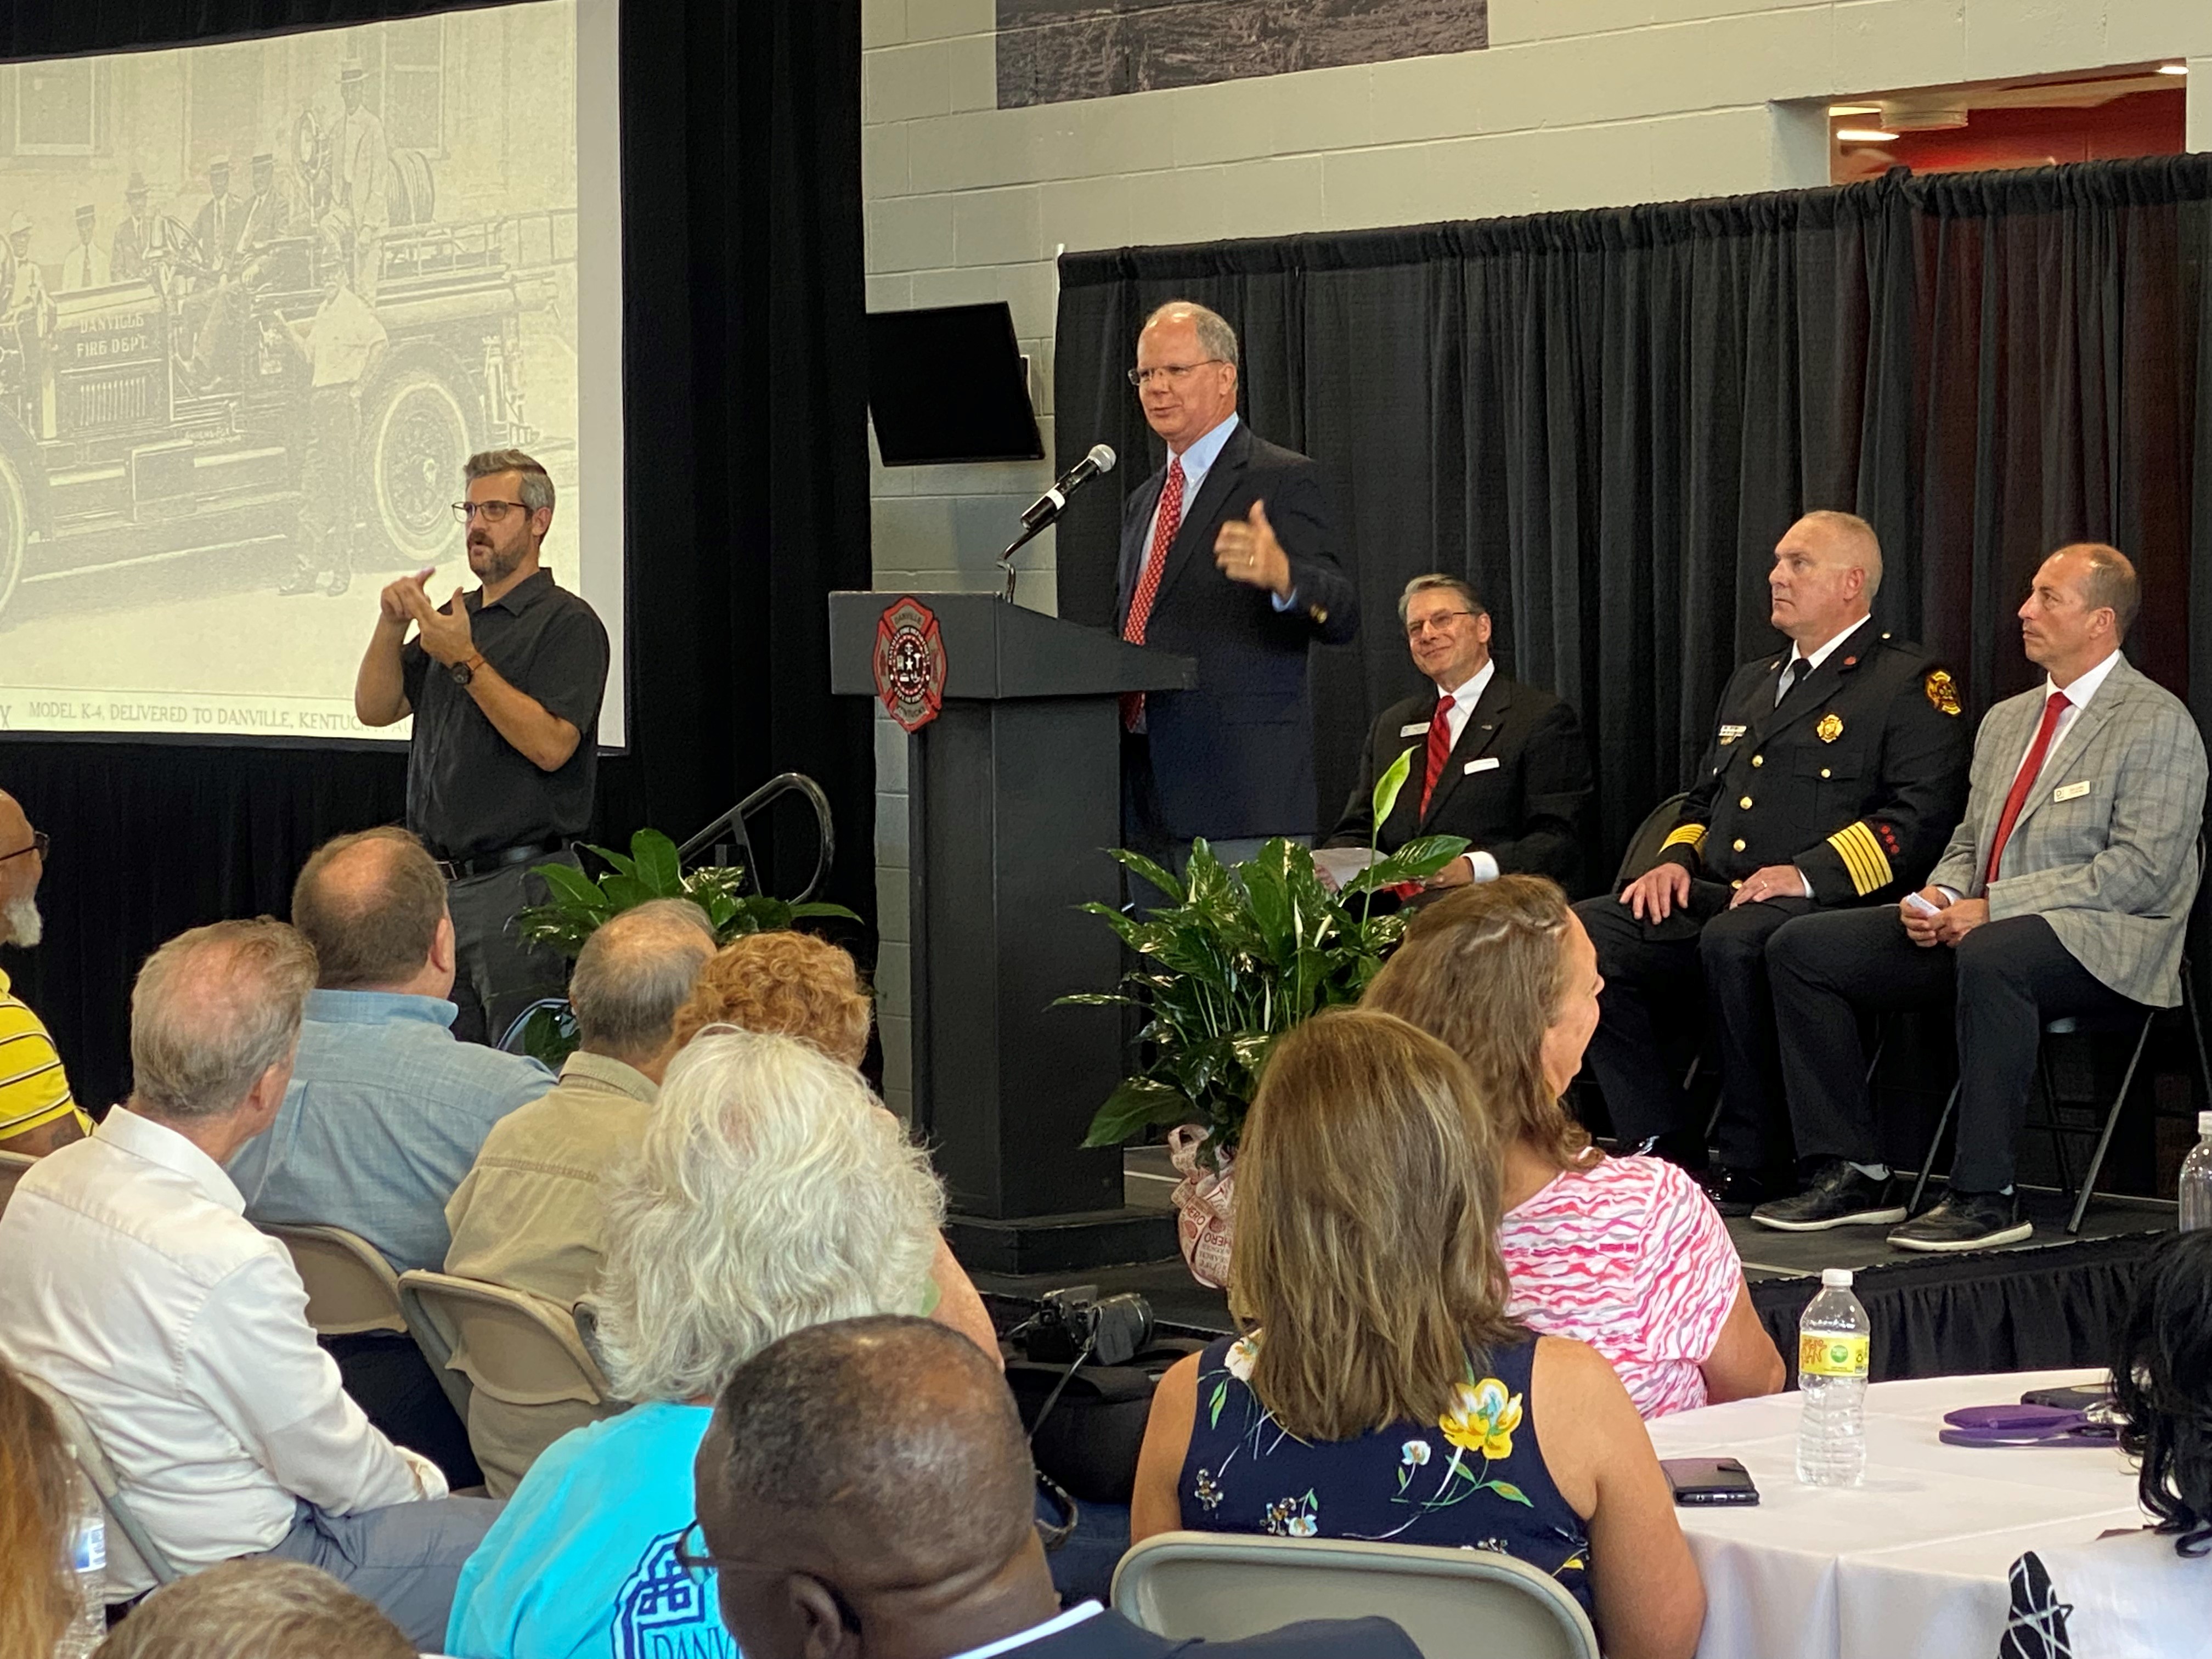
<point>39,841</point>
<point>1415,629</point>
<point>710,1562</point>
<point>1177,371</point>
<point>465,511</point>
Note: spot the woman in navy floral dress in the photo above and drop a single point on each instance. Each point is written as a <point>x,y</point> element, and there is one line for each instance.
<point>1380,1392</point>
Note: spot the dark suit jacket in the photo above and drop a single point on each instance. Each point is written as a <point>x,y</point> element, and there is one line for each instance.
<point>1234,755</point>
<point>1526,811</point>
<point>1107,1635</point>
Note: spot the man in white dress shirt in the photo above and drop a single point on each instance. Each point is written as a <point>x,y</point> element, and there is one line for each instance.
<point>136,1287</point>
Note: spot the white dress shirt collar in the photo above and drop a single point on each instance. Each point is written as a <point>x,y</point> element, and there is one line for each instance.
<point>1067,1620</point>
<point>1469,692</point>
<point>1198,460</point>
<point>2083,689</point>
<point>1816,657</point>
<point>158,1144</point>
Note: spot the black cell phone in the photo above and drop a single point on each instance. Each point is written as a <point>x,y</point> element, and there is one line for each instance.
<point>1704,1480</point>
<point>2068,1400</point>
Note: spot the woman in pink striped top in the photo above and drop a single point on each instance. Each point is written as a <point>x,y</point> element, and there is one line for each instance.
<point>1625,1254</point>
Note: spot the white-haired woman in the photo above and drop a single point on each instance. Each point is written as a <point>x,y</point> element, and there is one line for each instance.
<point>772,1193</point>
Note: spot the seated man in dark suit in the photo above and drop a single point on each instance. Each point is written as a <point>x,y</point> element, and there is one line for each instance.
<point>871,1476</point>
<point>1229,554</point>
<point>1503,765</point>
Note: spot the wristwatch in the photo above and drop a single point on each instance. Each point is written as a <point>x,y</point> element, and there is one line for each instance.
<point>463,672</point>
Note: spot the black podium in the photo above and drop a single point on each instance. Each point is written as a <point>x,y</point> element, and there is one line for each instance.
<point>1013,792</point>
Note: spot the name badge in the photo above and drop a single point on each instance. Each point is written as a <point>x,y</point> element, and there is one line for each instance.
<point>1413,730</point>
<point>1730,733</point>
<point>1487,764</point>
<point>2070,791</point>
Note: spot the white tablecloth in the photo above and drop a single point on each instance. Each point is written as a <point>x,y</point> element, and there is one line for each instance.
<point>1911,1564</point>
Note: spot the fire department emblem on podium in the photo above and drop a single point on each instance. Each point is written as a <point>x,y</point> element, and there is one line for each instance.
<point>910,662</point>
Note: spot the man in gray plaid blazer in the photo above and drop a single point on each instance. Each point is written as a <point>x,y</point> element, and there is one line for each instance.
<point>2065,891</point>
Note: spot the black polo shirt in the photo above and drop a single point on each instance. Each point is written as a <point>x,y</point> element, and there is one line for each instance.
<point>470,791</point>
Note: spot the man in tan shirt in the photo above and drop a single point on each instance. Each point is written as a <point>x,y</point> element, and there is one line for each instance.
<point>530,1215</point>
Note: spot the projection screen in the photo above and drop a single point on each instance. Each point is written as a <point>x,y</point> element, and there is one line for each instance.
<point>258,301</point>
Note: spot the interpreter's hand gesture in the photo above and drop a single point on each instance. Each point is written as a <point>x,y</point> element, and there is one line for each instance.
<point>445,634</point>
<point>391,603</point>
<point>1247,551</point>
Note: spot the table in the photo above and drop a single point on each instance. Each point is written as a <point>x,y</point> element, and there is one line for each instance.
<point>1911,1564</point>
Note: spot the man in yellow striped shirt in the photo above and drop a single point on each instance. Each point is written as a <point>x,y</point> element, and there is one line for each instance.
<point>37,1111</point>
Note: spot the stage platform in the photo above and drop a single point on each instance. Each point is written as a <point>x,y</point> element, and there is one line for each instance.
<point>2047,1303</point>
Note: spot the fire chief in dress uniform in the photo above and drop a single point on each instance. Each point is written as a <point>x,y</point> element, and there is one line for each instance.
<point>1835,772</point>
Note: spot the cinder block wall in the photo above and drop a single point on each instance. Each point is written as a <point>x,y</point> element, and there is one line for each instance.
<point>1575,104</point>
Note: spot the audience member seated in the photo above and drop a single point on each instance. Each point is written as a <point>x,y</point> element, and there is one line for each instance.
<point>37,1111</point>
<point>531,1215</point>
<point>386,1108</point>
<point>794,984</point>
<point>137,1288</point>
<point>871,1476</point>
<point>1382,1391</point>
<point>38,1511</point>
<point>1625,1254</point>
<point>2142,1593</point>
<point>256,1610</point>
<point>771,1193</point>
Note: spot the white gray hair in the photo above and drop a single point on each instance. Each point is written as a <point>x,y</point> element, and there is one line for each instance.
<point>535,489</point>
<point>1215,338</point>
<point>772,1192</point>
<point>212,1010</point>
<point>1450,584</point>
<point>1857,536</point>
<point>635,972</point>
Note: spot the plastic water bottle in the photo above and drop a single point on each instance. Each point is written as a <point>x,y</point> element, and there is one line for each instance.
<point>2197,1179</point>
<point>88,1626</point>
<point>1832,1378</point>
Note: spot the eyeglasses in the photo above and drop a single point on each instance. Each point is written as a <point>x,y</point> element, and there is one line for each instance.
<point>1171,374</point>
<point>703,1560</point>
<point>39,841</point>
<point>1436,619</point>
<point>493,512</point>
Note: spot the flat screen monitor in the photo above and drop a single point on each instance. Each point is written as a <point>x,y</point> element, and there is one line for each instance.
<point>949,384</point>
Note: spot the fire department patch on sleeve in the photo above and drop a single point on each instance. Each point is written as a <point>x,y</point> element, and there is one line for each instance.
<point>1942,691</point>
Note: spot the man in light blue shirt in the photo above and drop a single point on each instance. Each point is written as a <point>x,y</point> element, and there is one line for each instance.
<point>386,1110</point>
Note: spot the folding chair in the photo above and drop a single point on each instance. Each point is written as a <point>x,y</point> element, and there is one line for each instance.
<point>519,1347</point>
<point>126,1535</point>
<point>2118,1025</point>
<point>1455,1604</point>
<point>351,1286</point>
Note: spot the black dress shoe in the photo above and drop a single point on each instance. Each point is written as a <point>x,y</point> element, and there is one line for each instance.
<point>1838,1197</point>
<point>1739,1192</point>
<point>302,582</point>
<point>1966,1221</point>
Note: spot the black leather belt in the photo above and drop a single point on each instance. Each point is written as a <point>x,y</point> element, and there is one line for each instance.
<point>485,863</point>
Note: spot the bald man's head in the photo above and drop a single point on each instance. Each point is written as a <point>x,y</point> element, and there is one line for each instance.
<point>373,906</point>
<point>22,865</point>
<point>881,1460</point>
<point>1828,567</point>
<point>634,972</point>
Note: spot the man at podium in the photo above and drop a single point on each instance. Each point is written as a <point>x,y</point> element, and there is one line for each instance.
<point>1229,556</point>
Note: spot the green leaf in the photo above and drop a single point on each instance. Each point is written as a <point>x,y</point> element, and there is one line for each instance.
<point>625,892</point>
<point>571,889</point>
<point>1137,864</point>
<point>1220,1399</point>
<point>655,865</point>
<point>1417,860</point>
<point>1137,1104</point>
<point>1506,1489</point>
<point>1388,786</point>
<point>822,908</point>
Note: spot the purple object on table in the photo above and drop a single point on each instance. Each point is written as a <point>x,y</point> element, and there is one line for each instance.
<point>2021,1425</point>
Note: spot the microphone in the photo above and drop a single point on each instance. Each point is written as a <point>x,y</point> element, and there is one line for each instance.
<point>1049,506</point>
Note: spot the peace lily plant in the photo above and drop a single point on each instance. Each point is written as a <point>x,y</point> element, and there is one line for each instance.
<point>1241,954</point>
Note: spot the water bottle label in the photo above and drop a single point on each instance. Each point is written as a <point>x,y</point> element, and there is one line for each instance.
<point>1832,1356</point>
<point>90,1554</point>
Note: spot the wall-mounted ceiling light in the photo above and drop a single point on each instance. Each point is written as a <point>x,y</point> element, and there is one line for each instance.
<point>1854,109</point>
<point>2173,68</point>
<point>1864,135</point>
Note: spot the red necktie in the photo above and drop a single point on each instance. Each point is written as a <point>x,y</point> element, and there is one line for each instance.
<point>1148,584</point>
<point>1439,749</point>
<point>2024,782</point>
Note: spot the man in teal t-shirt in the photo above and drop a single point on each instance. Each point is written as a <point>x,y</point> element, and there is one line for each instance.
<point>583,1561</point>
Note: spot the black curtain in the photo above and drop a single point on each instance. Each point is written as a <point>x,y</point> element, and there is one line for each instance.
<point>745,503</point>
<point>1606,419</point>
